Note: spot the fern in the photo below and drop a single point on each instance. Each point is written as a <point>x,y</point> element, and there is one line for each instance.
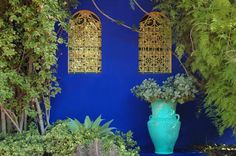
<point>211,25</point>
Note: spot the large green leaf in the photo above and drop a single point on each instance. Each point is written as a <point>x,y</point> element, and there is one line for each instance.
<point>87,122</point>
<point>97,122</point>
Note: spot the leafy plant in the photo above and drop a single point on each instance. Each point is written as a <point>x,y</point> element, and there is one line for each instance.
<point>75,126</point>
<point>206,31</point>
<point>59,141</point>
<point>28,45</point>
<point>125,144</point>
<point>178,89</point>
<point>28,143</point>
<point>90,138</point>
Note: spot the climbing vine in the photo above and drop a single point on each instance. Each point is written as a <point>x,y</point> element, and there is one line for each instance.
<point>205,32</point>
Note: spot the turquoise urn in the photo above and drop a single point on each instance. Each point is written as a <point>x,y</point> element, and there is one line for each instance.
<point>163,126</point>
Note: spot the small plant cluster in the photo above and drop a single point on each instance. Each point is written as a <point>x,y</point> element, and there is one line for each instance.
<point>27,143</point>
<point>70,137</point>
<point>177,89</point>
<point>216,149</point>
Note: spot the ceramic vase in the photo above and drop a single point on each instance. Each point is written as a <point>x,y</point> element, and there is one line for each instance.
<point>163,126</point>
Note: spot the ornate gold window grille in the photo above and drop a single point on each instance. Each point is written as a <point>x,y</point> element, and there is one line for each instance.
<point>84,43</point>
<point>155,42</point>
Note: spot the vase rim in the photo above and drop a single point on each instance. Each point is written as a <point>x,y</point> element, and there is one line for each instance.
<point>162,100</point>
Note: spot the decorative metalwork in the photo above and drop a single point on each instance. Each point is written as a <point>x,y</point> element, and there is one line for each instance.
<point>84,43</point>
<point>155,44</point>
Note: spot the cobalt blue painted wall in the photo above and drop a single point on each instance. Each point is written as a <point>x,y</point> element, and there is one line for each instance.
<point>109,94</point>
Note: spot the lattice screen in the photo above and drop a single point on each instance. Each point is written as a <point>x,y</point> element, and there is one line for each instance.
<point>84,43</point>
<point>155,43</point>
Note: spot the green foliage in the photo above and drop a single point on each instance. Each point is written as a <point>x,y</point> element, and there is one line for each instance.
<point>28,143</point>
<point>125,144</point>
<point>60,141</point>
<point>63,140</point>
<point>75,126</point>
<point>207,31</point>
<point>66,136</point>
<point>28,45</point>
<point>178,89</point>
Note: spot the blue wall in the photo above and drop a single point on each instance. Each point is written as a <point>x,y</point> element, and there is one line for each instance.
<point>108,93</point>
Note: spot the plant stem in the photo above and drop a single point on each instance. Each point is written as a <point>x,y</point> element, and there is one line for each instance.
<point>185,69</point>
<point>139,6</point>
<point>110,18</point>
<point>191,34</point>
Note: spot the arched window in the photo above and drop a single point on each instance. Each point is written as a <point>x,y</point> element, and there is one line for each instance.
<point>155,55</point>
<point>84,43</point>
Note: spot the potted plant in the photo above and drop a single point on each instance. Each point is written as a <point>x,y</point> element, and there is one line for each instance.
<point>164,124</point>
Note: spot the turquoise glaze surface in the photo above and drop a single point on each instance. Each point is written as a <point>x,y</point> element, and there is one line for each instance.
<point>163,126</point>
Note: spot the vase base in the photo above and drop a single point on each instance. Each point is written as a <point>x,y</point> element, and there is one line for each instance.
<point>164,152</point>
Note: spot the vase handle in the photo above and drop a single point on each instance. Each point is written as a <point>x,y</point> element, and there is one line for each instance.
<point>150,117</point>
<point>177,116</point>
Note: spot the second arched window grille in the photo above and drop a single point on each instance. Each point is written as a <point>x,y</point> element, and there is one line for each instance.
<point>155,44</point>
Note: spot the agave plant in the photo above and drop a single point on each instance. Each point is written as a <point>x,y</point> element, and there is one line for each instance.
<point>103,129</point>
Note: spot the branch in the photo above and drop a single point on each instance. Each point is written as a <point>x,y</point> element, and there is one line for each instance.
<point>12,120</point>
<point>228,53</point>
<point>191,32</point>
<point>112,19</point>
<point>139,6</point>
<point>186,71</point>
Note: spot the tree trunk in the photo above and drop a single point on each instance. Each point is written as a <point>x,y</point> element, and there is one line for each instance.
<point>9,125</point>
<point>40,117</point>
<point>25,121</point>
<point>22,120</point>
<point>48,117</point>
<point>3,122</point>
<point>11,116</point>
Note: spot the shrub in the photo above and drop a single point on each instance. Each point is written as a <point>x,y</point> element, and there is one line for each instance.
<point>28,143</point>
